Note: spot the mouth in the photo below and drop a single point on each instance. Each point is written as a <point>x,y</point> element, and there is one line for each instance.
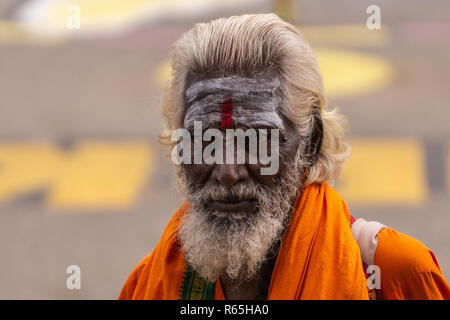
<point>232,205</point>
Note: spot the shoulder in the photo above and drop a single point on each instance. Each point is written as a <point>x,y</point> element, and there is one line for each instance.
<point>165,257</point>
<point>400,250</point>
<point>409,270</point>
<point>130,285</point>
<point>393,250</point>
<point>401,257</point>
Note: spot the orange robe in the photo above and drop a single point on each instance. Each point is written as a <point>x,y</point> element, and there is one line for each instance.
<point>318,257</point>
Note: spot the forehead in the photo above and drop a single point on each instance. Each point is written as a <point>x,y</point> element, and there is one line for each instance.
<point>249,101</point>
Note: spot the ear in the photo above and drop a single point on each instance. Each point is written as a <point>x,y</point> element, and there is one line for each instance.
<point>313,150</point>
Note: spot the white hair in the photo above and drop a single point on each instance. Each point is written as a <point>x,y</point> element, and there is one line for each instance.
<point>254,43</point>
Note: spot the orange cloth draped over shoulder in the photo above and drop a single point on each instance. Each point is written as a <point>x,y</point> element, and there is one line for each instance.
<point>318,257</point>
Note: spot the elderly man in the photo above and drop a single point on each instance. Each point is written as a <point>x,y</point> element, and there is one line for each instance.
<point>270,226</point>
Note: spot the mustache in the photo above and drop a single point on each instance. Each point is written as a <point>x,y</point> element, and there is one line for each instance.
<point>243,190</point>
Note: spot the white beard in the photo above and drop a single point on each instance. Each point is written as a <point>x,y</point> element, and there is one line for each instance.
<point>236,245</point>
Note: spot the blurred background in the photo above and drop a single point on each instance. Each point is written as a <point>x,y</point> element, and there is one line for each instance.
<point>84,182</point>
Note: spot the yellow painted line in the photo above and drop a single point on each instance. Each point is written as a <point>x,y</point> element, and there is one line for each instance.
<point>384,171</point>
<point>346,35</point>
<point>95,15</point>
<point>95,175</point>
<point>348,73</point>
<point>26,166</point>
<point>49,18</point>
<point>345,73</point>
<point>102,175</point>
<point>12,33</point>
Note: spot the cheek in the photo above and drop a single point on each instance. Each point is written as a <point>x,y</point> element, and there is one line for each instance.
<point>287,157</point>
<point>197,174</point>
<point>266,180</point>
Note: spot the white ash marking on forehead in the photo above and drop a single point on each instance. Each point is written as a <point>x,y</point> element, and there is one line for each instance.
<point>255,101</point>
<point>238,84</point>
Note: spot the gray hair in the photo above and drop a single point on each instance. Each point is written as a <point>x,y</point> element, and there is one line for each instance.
<point>249,44</point>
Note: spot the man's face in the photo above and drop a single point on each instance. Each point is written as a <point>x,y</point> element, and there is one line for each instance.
<point>250,103</point>
<point>238,214</point>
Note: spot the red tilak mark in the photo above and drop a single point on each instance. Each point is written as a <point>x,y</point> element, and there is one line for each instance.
<point>227,114</point>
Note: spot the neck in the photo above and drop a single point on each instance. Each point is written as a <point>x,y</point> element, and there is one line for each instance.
<point>253,289</point>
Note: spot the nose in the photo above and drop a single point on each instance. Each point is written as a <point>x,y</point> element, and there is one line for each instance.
<point>229,174</point>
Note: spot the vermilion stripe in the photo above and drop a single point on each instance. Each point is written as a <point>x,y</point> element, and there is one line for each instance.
<point>227,114</point>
